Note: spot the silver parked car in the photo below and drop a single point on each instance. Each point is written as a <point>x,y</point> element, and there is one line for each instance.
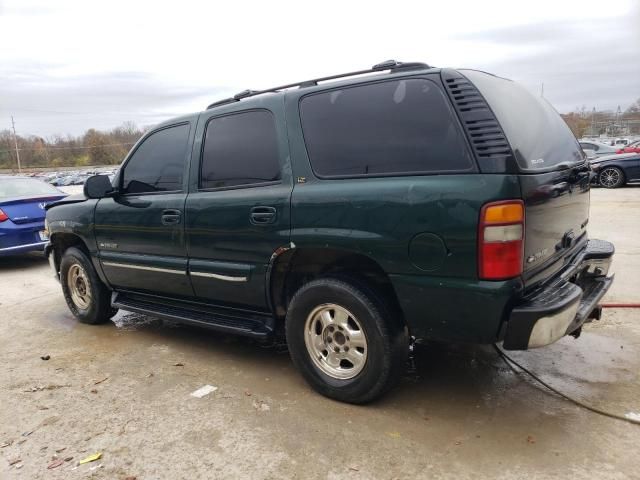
<point>595,149</point>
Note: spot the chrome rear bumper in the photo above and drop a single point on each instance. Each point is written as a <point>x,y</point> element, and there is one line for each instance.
<point>565,304</point>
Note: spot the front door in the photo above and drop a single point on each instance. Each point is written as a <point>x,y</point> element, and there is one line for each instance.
<point>140,231</point>
<point>238,208</point>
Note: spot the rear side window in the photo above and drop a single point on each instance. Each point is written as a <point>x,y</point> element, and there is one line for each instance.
<point>158,163</point>
<point>394,127</point>
<point>240,149</point>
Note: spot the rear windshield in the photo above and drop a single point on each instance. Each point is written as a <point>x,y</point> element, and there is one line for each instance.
<point>22,187</point>
<point>538,135</point>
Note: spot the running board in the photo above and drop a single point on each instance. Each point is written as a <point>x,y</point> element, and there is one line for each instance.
<point>248,324</point>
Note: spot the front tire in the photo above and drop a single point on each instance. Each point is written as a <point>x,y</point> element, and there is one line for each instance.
<point>345,341</point>
<point>87,297</point>
<point>611,177</point>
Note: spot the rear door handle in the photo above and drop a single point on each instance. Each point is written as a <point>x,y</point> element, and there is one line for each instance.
<point>263,215</point>
<point>171,216</point>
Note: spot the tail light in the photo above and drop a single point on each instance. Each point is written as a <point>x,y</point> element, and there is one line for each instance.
<point>3,216</point>
<point>501,240</point>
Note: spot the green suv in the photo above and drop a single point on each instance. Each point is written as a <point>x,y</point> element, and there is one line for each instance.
<point>350,213</point>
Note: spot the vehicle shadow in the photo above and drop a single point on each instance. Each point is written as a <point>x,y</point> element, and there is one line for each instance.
<point>22,262</point>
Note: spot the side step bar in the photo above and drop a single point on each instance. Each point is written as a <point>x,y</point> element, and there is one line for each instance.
<point>238,322</point>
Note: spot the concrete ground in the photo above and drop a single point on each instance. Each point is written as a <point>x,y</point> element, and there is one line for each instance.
<point>459,412</point>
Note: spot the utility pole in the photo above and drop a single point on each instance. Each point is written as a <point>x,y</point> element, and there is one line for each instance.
<point>542,90</point>
<point>15,141</point>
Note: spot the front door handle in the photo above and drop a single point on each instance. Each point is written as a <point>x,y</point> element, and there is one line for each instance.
<point>263,215</point>
<point>171,216</point>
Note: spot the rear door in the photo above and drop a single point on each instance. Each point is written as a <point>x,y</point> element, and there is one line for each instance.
<point>238,208</point>
<point>140,232</point>
<point>553,174</point>
<point>632,167</point>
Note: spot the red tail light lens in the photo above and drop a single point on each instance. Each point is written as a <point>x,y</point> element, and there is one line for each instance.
<point>501,240</point>
<point>3,216</point>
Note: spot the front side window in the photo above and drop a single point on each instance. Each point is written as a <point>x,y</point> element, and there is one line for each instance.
<point>157,165</point>
<point>240,149</point>
<point>394,127</point>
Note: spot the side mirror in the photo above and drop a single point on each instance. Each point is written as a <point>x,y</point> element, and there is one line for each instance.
<point>98,186</point>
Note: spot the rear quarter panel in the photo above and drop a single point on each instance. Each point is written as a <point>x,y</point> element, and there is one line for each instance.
<point>379,217</point>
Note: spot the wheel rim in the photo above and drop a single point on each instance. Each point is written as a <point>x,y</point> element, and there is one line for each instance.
<point>79,286</point>
<point>335,341</point>
<point>610,177</point>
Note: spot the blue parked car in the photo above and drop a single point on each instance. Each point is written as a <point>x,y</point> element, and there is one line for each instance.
<point>613,171</point>
<point>22,203</point>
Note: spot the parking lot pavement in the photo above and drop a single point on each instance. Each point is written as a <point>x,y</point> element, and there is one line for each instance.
<point>615,216</point>
<point>459,412</point>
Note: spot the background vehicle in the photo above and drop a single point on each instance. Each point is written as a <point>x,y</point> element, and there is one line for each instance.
<point>617,170</point>
<point>347,216</point>
<point>631,148</point>
<point>22,214</point>
<point>595,149</point>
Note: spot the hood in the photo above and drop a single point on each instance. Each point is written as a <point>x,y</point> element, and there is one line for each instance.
<point>615,156</point>
<point>67,200</point>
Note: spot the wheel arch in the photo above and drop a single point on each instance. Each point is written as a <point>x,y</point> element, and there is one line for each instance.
<point>290,268</point>
<point>61,241</point>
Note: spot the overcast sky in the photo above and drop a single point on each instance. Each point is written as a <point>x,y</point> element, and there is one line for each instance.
<point>68,65</point>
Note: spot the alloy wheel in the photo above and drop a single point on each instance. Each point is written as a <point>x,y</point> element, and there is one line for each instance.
<point>79,286</point>
<point>610,177</point>
<point>335,341</point>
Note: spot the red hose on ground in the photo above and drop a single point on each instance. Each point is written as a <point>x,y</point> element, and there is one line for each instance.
<point>620,305</point>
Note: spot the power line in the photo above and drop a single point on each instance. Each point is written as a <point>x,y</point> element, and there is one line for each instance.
<point>69,148</point>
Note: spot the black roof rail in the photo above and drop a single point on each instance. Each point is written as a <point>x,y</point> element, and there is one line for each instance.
<point>391,65</point>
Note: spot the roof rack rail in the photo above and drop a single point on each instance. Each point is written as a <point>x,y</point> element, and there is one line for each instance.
<point>391,65</point>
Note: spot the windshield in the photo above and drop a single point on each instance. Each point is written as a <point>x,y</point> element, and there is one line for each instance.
<point>539,137</point>
<point>23,187</point>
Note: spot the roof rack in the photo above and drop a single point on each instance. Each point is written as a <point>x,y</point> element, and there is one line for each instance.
<point>391,65</point>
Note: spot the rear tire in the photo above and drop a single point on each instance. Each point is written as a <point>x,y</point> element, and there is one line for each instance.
<point>611,177</point>
<point>87,297</point>
<point>344,340</point>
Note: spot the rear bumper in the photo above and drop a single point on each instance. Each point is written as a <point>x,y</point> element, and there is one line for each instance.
<point>21,238</point>
<point>563,306</point>
<point>17,249</point>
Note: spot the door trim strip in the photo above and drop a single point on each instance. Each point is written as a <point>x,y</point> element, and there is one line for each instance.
<point>142,267</point>
<point>217,276</point>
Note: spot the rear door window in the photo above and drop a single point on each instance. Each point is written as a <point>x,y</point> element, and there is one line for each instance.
<point>158,163</point>
<point>240,149</point>
<point>395,127</point>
